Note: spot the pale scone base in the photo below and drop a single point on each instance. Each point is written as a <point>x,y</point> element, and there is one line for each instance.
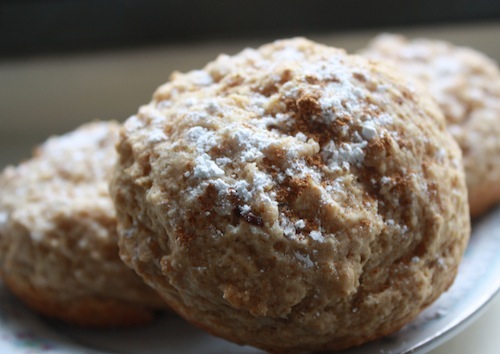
<point>85,311</point>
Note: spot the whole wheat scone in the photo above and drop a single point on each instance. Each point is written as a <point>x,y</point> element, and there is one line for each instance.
<point>466,85</point>
<point>292,197</point>
<point>58,239</point>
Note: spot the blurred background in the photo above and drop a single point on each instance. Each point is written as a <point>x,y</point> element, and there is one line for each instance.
<point>36,26</point>
<point>65,62</point>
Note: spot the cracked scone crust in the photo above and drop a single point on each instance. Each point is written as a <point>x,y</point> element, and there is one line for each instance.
<point>58,239</point>
<point>466,85</point>
<point>292,197</point>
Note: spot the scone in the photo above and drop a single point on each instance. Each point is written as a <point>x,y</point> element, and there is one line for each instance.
<point>466,85</point>
<point>293,198</point>
<point>58,240</point>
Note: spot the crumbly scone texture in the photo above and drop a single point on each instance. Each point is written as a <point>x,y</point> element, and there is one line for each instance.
<point>292,197</point>
<point>58,239</point>
<point>466,85</point>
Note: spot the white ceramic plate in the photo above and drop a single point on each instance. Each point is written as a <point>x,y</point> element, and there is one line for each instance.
<point>22,332</point>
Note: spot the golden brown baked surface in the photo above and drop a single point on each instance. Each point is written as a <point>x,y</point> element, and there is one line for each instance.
<point>466,85</point>
<point>292,197</point>
<point>58,240</point>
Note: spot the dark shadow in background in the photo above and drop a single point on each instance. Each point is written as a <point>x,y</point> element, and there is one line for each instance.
<point>30,27</point>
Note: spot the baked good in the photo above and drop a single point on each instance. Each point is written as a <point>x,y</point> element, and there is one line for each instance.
<point>466,85</point>
<point>58,240</point>
<point>293,198</point>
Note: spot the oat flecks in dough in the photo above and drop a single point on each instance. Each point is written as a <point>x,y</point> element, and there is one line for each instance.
<point>466,85</point>
<point>292,193</point>
<point>58,239</point>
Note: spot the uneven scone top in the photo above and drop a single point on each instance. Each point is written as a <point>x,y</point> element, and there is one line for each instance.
<point>292,197</point>
<point>58,239</point>
<point>466,85</point>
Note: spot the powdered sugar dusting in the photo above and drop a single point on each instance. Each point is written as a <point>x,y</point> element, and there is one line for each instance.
<point>300,224</point>
<point>343,156</point>
<point>275,170</point>
<point>289,230</point>
<point>156,136</point>
<point>317,236</point>
<point>369,131</point>
<point>202,138</point>
<point>253,133</point>
<point>305,259</point>
<point>250,134</point>
<point>206,168</point>
<point>241,188</point>
<point>201,77</point>
<point>252,143</point>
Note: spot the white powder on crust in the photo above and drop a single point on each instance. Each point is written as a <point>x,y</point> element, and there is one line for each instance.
<point>288,228</point>
<point>369,131</point>
<point>241,188</point>
<point>341,157</point>
<point>317,236</point>
<point>206,168</point>
<point>305,259</point>
<point>156,136</point>
<point>202,138</point>
<point>250,143</point>
<point>300,224</point>
<point>200,77</point>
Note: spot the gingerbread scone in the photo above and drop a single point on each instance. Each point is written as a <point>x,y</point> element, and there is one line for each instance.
<point>58,240</point>
<point>466,85</point>
<point>293,198</point>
